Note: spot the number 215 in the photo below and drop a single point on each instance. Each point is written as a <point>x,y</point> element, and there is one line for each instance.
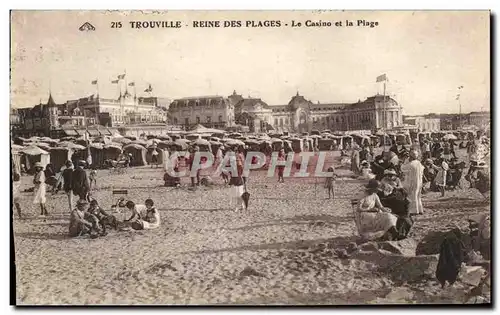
<point>116,24</point>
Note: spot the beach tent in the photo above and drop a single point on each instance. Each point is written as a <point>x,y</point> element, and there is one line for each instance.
<point>59,156</point>
<point>112,151</point>
<point>138,154</point>
<point>16,157</point>
<point>33,154</point>
<point>325,144</point>
<point>96,152</point>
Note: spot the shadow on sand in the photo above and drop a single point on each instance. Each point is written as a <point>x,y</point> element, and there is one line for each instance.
<point>312,220</point>
<point>300,244</point>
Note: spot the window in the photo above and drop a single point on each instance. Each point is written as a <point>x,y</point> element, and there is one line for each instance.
<point>281,122</point>
<point>209,119</point>
<point>186,121</point>
<point>220,118</point>
<point>197,119</point>
<point>275,121</point>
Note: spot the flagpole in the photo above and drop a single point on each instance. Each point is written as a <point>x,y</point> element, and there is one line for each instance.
<point>384,117</point>
<point>96,101</point>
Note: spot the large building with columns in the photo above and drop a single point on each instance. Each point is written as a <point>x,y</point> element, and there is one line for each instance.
<point>299,115</point>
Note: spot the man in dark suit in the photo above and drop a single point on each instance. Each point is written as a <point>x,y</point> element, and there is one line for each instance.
<point>80,182</point>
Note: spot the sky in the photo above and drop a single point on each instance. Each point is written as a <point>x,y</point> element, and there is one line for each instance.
<point>426,56</point>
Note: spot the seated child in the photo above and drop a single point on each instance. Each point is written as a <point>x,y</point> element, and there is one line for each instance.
<point>143,216</point>
<point>104,218</point>
<point>366,171</point>
<point>81,222</point>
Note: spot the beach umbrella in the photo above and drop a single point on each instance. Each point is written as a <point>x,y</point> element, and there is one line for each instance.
<point>70,145</point>
<point>234,142</point>
<point>139,142</point>
<point>450,136</point>
<point>33,150</point>
<point>133,145</point>
<point>252,141</point>
<point>15,147</point>
<point>43,145</point>
<point>164,137</point>
<point>121,140</point>
<point>182,143</point>
<point>201,142</point>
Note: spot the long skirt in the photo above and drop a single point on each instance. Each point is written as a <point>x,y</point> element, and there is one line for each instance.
<point>375,224</point>
<point>39,194</point>
<point>415,198</point>
<point>236,193</point>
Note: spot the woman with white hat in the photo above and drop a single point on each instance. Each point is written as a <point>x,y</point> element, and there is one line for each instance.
<point>40,189</point>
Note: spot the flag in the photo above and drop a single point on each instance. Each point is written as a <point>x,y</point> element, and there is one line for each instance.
<point>131,84</point>
<point>121,76</point>
<point>94,82</point>
<point>458,97</point>
<point>149,89</point>
<point>114,82</point>
<point>460,87</point>
<point>382,78</point>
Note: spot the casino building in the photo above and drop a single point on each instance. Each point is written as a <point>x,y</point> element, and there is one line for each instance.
<point>55,120</point>
<point>299,115</point>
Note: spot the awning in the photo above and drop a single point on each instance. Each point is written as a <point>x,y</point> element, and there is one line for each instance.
<point>93,132</point>
<point>70,132</point>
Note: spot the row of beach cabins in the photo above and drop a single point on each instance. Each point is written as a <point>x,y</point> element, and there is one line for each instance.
<point>56,151</point>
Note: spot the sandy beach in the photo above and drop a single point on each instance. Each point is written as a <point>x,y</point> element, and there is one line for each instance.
<point>279,252</point>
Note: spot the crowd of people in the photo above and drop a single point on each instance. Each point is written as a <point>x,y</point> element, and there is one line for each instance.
<point>396,178</point>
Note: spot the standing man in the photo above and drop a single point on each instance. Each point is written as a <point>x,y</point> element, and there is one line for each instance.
<point>80,182</point>
<point>67,175</point>
<point>414,171</point>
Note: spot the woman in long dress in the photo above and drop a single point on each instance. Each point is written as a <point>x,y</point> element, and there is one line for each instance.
<point>355,159</point>
<point>413,182</point>
<point>40,189</point>
<point>375,220</point>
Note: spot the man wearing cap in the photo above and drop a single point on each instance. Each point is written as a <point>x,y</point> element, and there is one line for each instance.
<point>78,225</point>
<point>67,176</point>
<point>414,172</point>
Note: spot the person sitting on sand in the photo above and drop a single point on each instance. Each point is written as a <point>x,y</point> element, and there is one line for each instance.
<point>480,178</point>
<point>104,218</point>
<point>391,178</point>
<point>78,222</point>
<point>375,220</point>
<point>143,216</point>
<point>366,171</point>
